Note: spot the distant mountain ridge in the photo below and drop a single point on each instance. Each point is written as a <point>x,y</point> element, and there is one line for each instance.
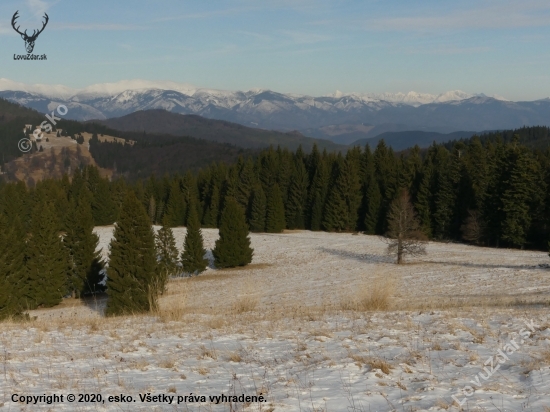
<point>265,109</point>
<point>174,124</point>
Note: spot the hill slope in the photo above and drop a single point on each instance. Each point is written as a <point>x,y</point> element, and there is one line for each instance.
<point>163,122</point>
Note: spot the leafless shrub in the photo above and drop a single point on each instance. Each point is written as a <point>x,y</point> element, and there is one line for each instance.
<point>404,236</point>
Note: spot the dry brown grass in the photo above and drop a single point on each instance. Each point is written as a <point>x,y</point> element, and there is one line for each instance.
<point>375,295</point>
<point>545,356</point>
<point>372,362</point>
<point>207,353</point>
<point>235,357</point>
<point>247,298</point>
<point>465,302</point>
<point>173,305</point>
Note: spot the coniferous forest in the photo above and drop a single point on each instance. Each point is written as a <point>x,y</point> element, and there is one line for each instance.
<point>491,191</point>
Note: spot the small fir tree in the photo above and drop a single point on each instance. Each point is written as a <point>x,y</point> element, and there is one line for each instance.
<point>132,273</point>
<point>167,254</point>
<point>192,257</point>
<point>233,247</point>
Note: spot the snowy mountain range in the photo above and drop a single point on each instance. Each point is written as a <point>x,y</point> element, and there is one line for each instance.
<point>349,116</point>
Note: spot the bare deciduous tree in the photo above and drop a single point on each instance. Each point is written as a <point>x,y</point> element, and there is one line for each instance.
<point>404,236</point>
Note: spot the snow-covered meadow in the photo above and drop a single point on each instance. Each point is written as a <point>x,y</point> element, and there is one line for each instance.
<point>294,326</point>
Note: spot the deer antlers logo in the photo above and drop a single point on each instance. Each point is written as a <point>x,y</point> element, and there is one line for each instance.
<point>29,40</point>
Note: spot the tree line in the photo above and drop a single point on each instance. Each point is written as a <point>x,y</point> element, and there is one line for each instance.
<point>486,191</point>
<point>49,250</point>
<point>492,192</point>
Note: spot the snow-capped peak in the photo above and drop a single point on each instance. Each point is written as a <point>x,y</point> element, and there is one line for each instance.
<point>412,97</point>
<point>112,89</point>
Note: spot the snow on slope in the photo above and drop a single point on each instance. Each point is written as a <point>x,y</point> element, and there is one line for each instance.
<point>102,90</point>
<point>296,346</point>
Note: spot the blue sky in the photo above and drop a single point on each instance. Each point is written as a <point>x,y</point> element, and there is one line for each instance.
<point>301,46</point>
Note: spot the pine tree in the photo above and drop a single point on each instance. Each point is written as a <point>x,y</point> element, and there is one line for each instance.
<point>47,260</point>
<point>85,263</point>
<point>275,211</point>
<point>132,273</point>
<point>192,257</point>
<point>167,255</point>
<point>258,209</point>
<point>233,246</point>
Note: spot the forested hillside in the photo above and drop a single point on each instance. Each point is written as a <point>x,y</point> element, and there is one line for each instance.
<point>12,120</point>
<point>491,193</point>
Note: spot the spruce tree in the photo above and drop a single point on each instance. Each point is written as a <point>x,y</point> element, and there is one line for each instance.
<point>297,197</point>
<point>372,204</point>
<point>423,204</point>
<point>47,260</point>
<point>11,268</point>
<point>213,208</point>
<point>176,206</point>
<point>258,210</point>
<point>132,274</point>
<point>167,255</point>
<point>85,263</point>
<point>192,257</point>
<point>344,198</point>
<point>152,209</point>
<point>317,195</point>
<point>518,196</point>
<point>233,246</point>
<point>275,211</point>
